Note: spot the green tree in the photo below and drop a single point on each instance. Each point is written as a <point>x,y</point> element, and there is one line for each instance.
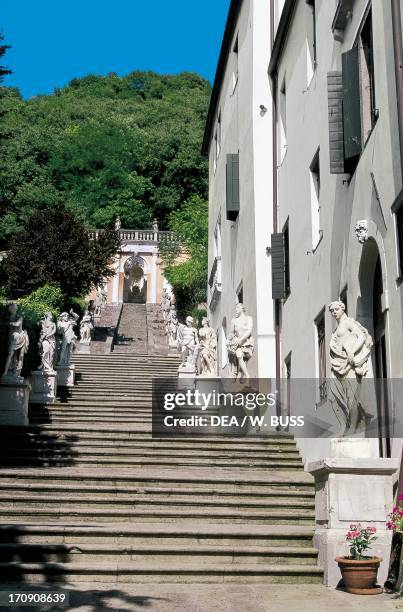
<point>189,277</point>
<point>104,146</point>
<point>54,248</point>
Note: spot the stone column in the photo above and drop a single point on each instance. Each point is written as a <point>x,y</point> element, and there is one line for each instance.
<point>349,490</point>
<point>154,278</point>
<point>115,282</point>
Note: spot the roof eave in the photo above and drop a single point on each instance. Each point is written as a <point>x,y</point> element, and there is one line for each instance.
<point>281,34</point>
<point>230,26</point>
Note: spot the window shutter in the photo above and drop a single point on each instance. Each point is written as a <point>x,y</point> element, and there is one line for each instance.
<point>336,132</point>
<point>232,186</point>
<point>278,281</point>
<point>351,106</point>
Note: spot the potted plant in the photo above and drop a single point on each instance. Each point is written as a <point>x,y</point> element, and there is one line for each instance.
<point>395,523</point>
<point>359,572</point>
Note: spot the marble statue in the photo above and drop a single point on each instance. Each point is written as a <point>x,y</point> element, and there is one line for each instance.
<point>67,338</point>
<point>207,361</point>
<point>240,343</point>
<point>86,327</point>
<point>188,344</point>
<point>165,303</point>
<point>172,327</point>
<point>118,223</point>
<point>350,351</point>
<point>361,231</point>
<point>155,225</point>
<point>18,345</point>
<point>47,343</point>
<point>100,301</point>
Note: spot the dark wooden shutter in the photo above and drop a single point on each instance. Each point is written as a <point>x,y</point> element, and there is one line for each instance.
<point>351,107</point>
<point>278,267</point>
<point>336,132</point>
<point>232,186</point>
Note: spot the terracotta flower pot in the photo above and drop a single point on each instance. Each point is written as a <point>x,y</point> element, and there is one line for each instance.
<point>359,575</point>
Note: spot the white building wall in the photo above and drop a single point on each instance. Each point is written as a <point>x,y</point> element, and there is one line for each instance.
<point>243,242</point>
<point>318,278</point>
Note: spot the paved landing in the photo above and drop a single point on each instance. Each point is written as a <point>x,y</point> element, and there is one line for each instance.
<point>86,597</point>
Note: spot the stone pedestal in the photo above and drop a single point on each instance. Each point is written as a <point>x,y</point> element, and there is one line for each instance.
<point>65,375</point>
<point>351,490</point>
<point>43,387</point>
<point>186,377</point>
<point>83,349</point>
<point>14,397</point>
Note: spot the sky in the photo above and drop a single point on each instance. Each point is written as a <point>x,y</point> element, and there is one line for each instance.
<point>54,41</point>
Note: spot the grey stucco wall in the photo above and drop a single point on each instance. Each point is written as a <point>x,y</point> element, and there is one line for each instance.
<point>318,278</point>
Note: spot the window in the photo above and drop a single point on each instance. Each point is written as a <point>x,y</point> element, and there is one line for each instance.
<point>359,114</point>
<point>287,371</point>
<point>217,239</point>
<point>399,235</point>
<point>311,40</point>
<point>223,344</point>
<point>232,186</point>
<point>321,355</point>
<point>343,298</point>
<point>235,72</point>
<point>287,258</point>
<point>217,141</point>
<point>314,172</point>
<point>280,264</point>
<point>366,52</point>
<point>282,124</point>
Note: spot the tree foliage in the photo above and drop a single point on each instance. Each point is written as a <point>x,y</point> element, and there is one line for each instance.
<point>105,147</point>
<point>188,276</point>
<point>54,248</point>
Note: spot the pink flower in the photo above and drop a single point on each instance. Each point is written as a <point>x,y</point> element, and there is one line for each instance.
<point>400,497</point>
<point>353,526</point>
<point>389,525</point>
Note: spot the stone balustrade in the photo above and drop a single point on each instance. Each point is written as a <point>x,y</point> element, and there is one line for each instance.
<point>140,235</point>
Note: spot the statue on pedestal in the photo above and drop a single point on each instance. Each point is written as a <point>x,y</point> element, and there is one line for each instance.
<point>65,327</point>
<point>187,344</point>
<point>47,343</point>
<point>18,345</point>
<point>86,327</point>
<point>350,351</point>
<point>172,328</point>
<point>240,343</point>
<point>100,301</point>
<point>165,303</point>
<point>207,350</point>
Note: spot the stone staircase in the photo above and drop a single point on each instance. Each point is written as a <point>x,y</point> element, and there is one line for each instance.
<point>105,329</point>
<point>132,332</point>
<point>86,494</point>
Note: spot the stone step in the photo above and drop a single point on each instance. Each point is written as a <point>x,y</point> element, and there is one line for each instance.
<point>166,533</point>
<point>116,437</point>
<point>157,553</point>
<point>72,513</point>
<point>75,458</point>
<point>209,454</point>
<point>141,501</point>
<point>277,494</point>
<point>52,445</point>
<point>142,572</point>
<point>234,480</point>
